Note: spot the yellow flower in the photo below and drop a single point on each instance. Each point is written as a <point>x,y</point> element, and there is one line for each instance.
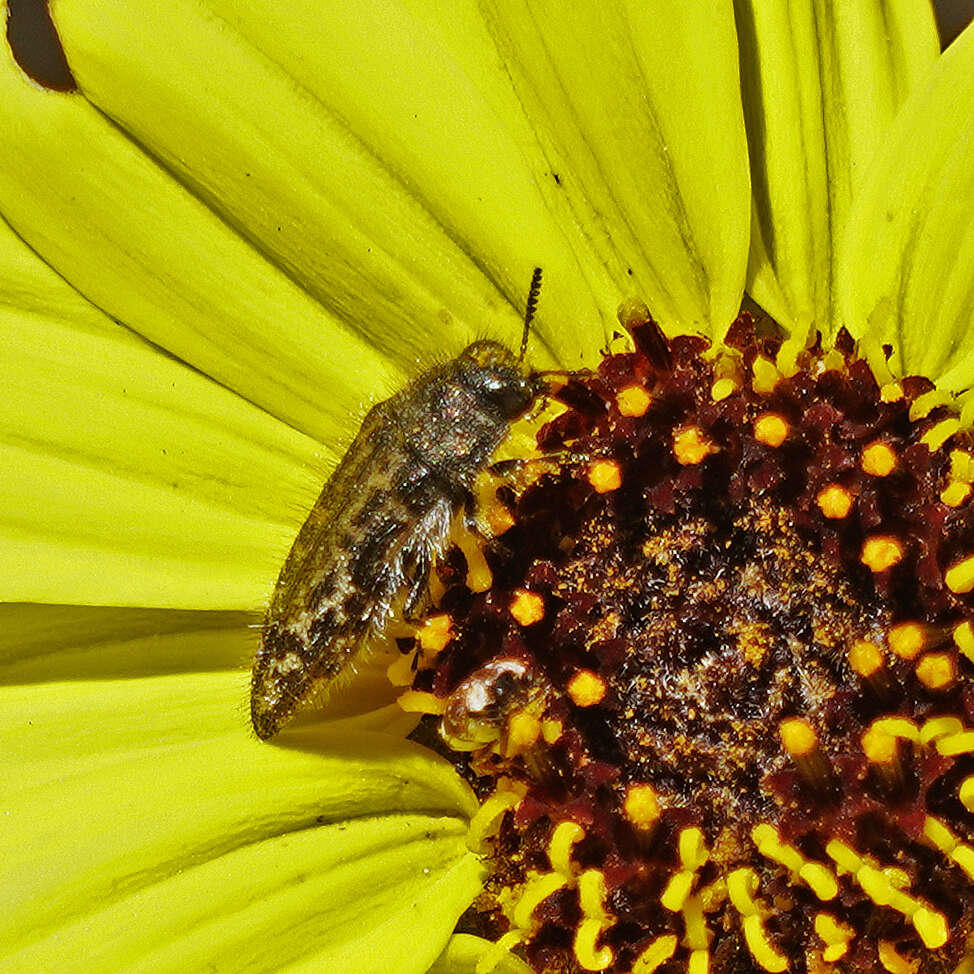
<point>252,218</point>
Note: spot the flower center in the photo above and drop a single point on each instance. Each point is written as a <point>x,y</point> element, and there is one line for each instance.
<point>711,677</point>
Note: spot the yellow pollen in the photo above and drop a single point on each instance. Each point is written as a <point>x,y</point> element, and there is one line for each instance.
<point>881,552</point>
<point>771,429</point>
<point>766,376</point>
<point>865,658</point>
<point>834,501</point>
<point>938,727</point>
<point>798,736</point>
<point>479,576</point>
<point>894,961</point>
<point>551,730</point>
<point>565,836</point>
<point>641,806</point>
<point>900,727</point>
<point>906,640</point>
<point>836,935</point>
<point>960,576</point>
<point>595,920</point>
<point>964,638</point>
<point>967,793</point>
<point>723,388</point>
<point>693,849</point>
<point>878,459</point>
<point>953,744</point>
<point>691,446</point>
<point>435,634</point>
<point>523,731</point>
<point>586,688</point>
<point>760,946</point>
<point>499,518</point>
<point>633,401</point>
<point>656,954</point>
<point>955,493</point>
<point>940,836</point>
<point>527,607</point>
<point>605,476</point>
<point>420,702</point>
<point>816,875</point>
<point>878,746</point>
<point>936,671</point>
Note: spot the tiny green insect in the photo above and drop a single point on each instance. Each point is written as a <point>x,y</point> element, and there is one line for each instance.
<point>366,548</point>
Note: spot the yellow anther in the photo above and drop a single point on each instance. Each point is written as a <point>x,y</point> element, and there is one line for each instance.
<point>762,950</point>
<point>798,736</point>
<point>865,658</point>
<point>742,884</point>
<point>479,576</point>
<point>843,856</point>
<point>641,806</point>
<point>932,927</point>
<point>820,880</point>
<point>633,401</point>
<point>938,727</point>
<point>955,493</point>
<point>881,552</point>
<point>817,876</point>
<point>961,466</point>
<point>523,731</point>
<point>897,727</point>
<point>955,744</point>
<point>656,954</point>
<point>960,576</point>
<point>589,955</point>
<point>936,671</point>
<point>939,835</point>
<point>940,433</point>
<point>836,935</point>
<point>769,844</point>
<point>765,376</point>
<point>677,891</point>
<point>878,459</point>
<point>964,638</point>
<point>691,446</point>
<point>551,730</point>
<point>695,925</point>
<point>435,634</point>
<point>527,607</point>
<point>595,920</point>
<point>537,889</point>
<point>564,837</point>
<point>906,640</point>
<point>878,746</point>
<point>771,429</point>
<point>486,820</point>
<point>420,702</point>
<point>605,476</point>
<point>586,688</point>
<point>699,962</point>
<point>967,793</point>
<point>894,961</point>
<point>693,850</point>
<point>834,501</point>
<point>723,388</point>
<point>499,518</point>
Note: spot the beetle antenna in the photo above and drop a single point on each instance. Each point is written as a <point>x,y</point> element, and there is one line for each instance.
<point>532,305</point>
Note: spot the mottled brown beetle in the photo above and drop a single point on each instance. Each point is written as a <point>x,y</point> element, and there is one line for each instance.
<point>381,518</point>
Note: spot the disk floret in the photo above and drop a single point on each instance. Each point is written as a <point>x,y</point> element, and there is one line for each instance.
<point>712,678</point>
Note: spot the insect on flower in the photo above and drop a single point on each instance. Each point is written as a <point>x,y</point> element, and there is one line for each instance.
<point>365,550</point>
